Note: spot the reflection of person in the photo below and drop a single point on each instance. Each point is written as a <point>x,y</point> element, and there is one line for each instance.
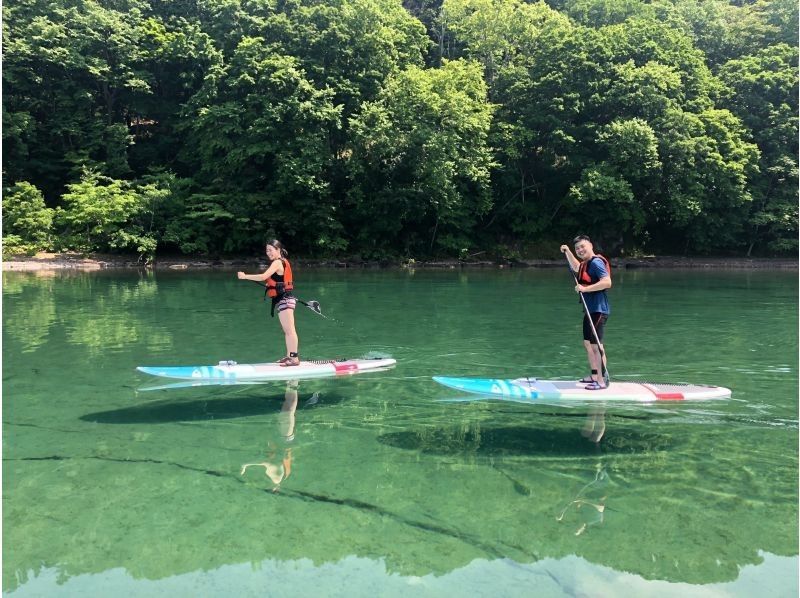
<point>279,282</point>
<point>588,496</point>
<point>278,464</point>
<point>593,273</point>
<point>595,425</point>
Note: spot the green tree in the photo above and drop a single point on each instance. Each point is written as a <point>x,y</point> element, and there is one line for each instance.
<point>618,124</point>
<point>420,160</point>
<point>177,57</point>
<point>493,32</point>
<point>103,214</point>
<point>669,125</point>
<point>73,69</point>
<point>27,221</point>
<point>726,30</point>
<point>258,138</point>
<point>762,90</point>
<point>599,13</point>
<point>352,46</point>
<point>705,198</point>
<point>613,195</point>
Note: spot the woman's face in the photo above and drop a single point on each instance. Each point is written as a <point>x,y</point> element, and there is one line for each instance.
<point>273,253</point>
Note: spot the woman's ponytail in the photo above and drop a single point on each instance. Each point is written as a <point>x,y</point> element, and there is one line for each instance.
<point>279,246</point>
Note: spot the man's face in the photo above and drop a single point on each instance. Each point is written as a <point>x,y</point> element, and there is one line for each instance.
<point>583,249</point>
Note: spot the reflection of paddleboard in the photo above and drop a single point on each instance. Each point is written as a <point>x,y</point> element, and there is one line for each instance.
<point>195,383</point>
<point>531,389</point>
<point>232,372</point>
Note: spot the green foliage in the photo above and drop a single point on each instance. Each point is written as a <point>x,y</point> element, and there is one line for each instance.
<point>105,214</point>
<point>493,32</point>
<point>726,30</point>
<point>420,161</point>
<point>632,148</point>
<point>352,46</point>
<point>27,222</point>
<point>706,164</point>
<point>607,200</point>
<point>606,193</point>
<point>668,125</point>
<point>197,229</point>
<point>259,143</point>
<point>74,69</point>
<point>762,90</point>
<point>598,13</point>
<point>615,129</point>
<point>178,56</point>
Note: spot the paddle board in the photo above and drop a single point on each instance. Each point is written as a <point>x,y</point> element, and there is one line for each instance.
<point>232,372</point>
<point>531,389</point>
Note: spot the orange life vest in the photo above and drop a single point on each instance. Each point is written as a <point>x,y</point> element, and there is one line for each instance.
<point>583,274</point>
<point>278,288</point>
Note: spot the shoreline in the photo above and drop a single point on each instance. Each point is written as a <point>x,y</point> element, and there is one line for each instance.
<point>71,261</point>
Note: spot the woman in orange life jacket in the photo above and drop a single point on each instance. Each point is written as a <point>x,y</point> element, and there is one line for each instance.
<point>279,282</point>
<point>594,276</point>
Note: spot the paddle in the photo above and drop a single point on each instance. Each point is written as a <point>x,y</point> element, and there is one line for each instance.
<point>603,368</point>
<point>312,305</point>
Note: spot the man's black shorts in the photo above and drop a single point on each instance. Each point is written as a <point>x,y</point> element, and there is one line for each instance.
<point>599,321</point>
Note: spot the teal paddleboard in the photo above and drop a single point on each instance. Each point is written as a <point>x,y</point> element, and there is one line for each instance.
<point>532,389</point>
<point>231,371</point>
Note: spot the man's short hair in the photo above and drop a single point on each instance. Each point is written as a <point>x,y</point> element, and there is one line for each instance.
<point>580,238</point>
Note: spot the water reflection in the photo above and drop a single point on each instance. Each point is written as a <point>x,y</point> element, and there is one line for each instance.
<point>109,321</point>
<point>107,491</point>
<point>593,496</point>
<point>595,426</point>
<point>30,309</point>
<point>98,314</point>
<point>232,402</point>
<point>775,576</point>
<point>589,504</point>
<point>557,435</point>
<point>278,462</point>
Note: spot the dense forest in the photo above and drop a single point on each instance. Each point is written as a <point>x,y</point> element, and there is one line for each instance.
<point>387,129</point>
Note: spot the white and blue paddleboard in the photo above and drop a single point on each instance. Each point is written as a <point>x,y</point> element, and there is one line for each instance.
<point>533,390</point>
<point>231,372</point>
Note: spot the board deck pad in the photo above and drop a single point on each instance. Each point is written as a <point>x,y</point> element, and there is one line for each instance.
<point>233,372</point>
<point>531,389</point>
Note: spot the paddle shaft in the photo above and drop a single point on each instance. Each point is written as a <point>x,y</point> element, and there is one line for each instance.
<point>316,311</point>
<point>603,368</point>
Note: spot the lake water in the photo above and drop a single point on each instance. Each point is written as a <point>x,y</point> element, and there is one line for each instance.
<point>376,485</point>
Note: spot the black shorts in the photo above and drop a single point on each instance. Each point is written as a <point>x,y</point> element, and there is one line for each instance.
<point>599,321</point>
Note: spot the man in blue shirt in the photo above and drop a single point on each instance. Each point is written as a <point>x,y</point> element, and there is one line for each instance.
<point>593,274</point>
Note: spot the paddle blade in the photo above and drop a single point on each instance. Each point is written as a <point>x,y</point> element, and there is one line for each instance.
<point>314,306</point>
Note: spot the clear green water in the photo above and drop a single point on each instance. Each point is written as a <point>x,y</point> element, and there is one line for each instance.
<point>110,490</point>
